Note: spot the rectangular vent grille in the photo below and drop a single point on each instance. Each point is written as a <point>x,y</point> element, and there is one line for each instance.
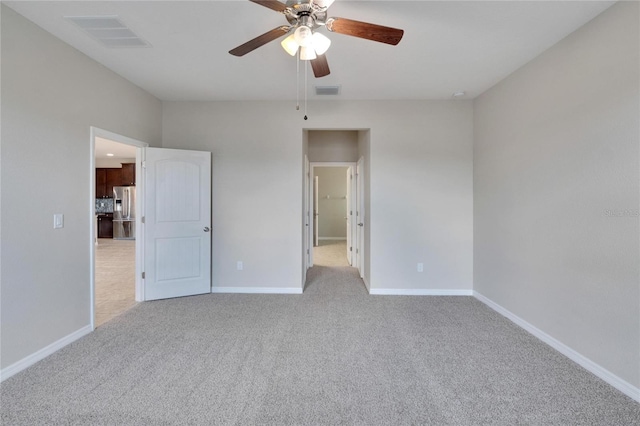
<point>328,90</point>
<point>108,30</point>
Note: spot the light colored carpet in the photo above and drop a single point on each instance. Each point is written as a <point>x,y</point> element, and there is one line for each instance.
<point>330,253</point>
<point>115,278</point>
<point>333,355</point>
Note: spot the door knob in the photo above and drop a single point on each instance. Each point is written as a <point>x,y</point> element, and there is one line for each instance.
<point>206,229</point>
<point>361,224</point>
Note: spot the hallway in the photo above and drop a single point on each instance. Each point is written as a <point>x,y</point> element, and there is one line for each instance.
<point>330,253</point>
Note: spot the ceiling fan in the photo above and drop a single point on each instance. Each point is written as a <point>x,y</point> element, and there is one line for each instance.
<point>304,17</point>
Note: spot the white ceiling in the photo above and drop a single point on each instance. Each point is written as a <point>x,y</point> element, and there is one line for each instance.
<point>119,150</point>
<point>447,46</point>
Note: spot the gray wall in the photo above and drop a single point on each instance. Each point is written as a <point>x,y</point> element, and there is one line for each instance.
<point>50,96</point>
<point>332,183</point>
<point>556,187</point>
<point>333,145</point>
<point>420,195</point>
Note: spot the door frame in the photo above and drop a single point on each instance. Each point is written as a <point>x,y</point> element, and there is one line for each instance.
<point>352,218</point>
<point>306,219</point>
<point>139,285</point>
<point>316,213</point>
<point>361,217</point>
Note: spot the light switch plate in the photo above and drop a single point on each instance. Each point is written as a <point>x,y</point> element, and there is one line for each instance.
<point>420,267</point>
<point>58,221</point>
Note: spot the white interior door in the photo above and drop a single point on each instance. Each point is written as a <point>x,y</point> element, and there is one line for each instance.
<point>360,216</point>
<point>177,223</point>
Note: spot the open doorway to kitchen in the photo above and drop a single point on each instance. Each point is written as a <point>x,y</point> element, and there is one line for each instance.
<point>115,243</point>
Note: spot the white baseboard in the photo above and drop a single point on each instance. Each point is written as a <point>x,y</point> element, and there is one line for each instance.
<point>257,290</point>
<point>28,361</point>
<point>615,381</point>
<point>333,238</point>
<point>419,292</point>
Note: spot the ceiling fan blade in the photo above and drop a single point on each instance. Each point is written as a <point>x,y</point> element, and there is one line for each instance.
<point>365,30</point>
<point>271,4</point>
<point>261,40</point>
<point>320,66</point>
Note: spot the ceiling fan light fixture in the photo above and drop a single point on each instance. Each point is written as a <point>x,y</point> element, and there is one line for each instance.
<point>303,36</point>
<point>290,45</point>
<point>321,43</point>
<point>307,53</point>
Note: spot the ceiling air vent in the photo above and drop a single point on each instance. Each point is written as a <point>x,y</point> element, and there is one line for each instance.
<point>328,90</point>
<point>108,30</point>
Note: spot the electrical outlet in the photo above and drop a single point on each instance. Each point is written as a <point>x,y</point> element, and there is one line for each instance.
<point>240,265</point>
<point>420,267</point>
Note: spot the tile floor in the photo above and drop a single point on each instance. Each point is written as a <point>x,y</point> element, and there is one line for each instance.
<point>115,278</point>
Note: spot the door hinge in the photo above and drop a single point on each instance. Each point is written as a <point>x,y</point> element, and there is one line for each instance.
<point>143,276</point>
<point>307,251</point>
<point>350,248</point>
<point>143,164</point>
<point>142,219</point>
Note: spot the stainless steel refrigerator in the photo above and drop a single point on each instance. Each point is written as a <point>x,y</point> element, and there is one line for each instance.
<point>124,212</point>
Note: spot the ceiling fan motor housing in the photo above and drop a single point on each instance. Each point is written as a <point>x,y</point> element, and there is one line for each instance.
<point>306,13</point>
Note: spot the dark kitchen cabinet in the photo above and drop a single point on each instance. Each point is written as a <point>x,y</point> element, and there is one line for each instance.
<point>106,179</point>
<point>105,225</point>
<point>128,174</point>
<point>114,178</point>
<point>101,183</point>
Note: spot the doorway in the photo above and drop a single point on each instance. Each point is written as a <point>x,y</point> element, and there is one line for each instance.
<point>333,213</point>
<point>115,255</point>
<point>336,148</point>
<point>335,247</point>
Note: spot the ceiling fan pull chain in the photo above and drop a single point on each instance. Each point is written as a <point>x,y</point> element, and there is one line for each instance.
<point>298,82</point>
<point>305,88</point>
